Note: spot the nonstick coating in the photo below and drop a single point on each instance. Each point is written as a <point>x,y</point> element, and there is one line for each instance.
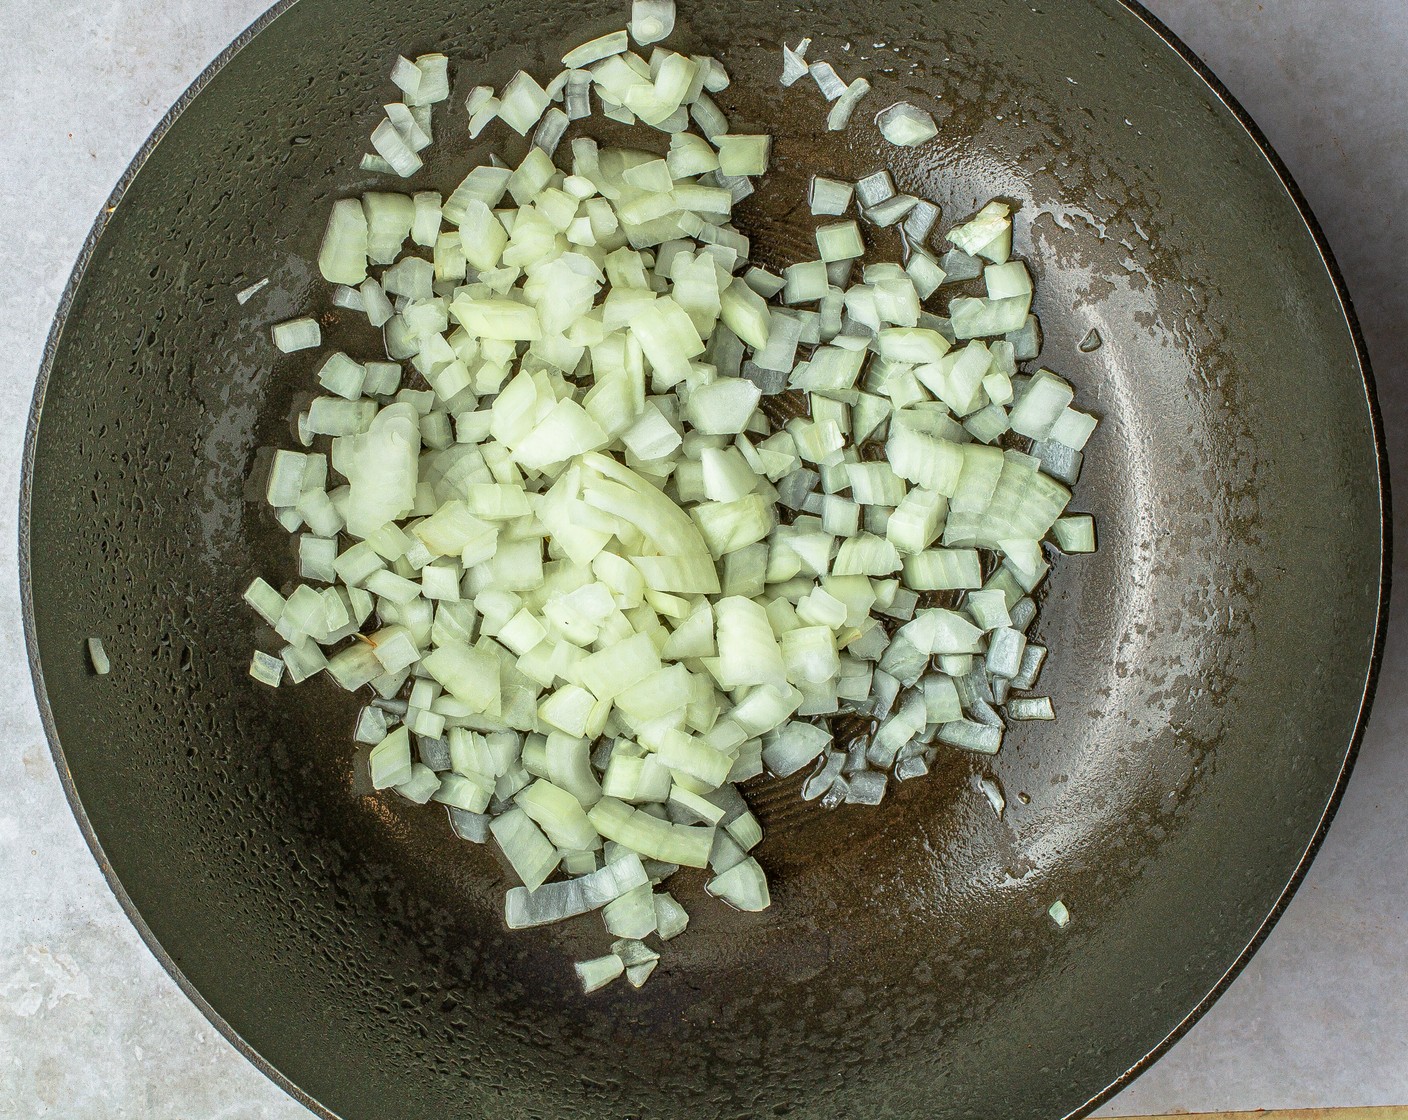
<point>1211,665</point>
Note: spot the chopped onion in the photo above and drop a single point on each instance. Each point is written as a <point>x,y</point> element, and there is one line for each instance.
<point>244,295</point>
<point>1076,533</point>
<point>993,792</point>
<point>839,242</point>
<point>840,115</point>
<point>652,20</point>
<point>565,565</point>
<point>685,845</point>
<point>920,222</point>
<point>1038,708</point>
<point>744,155</point>
<point>594,50</point>
<point>553,902</point>
<point>874,189</point>
<point>297,334</point>
<point>827,80</point>
<point>892,210</point>
<point>343,257</point>
<point>830,196</point>
<point>977,737</point>
<point>743,886</point>
<point>98,656</point>
<point>529,852</point>
<point>598,972</point>
<point>906,126</point>
<point>391,146</point>
<point>522,103</point>
<point>794,62</point>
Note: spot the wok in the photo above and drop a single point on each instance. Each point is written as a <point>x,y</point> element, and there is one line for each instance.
<point>1212,665</point>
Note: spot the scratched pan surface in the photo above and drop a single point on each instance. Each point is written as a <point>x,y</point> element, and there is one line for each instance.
<point>1211,665</point>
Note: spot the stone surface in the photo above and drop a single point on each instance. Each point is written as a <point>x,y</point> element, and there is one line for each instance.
<point>90,1026</point>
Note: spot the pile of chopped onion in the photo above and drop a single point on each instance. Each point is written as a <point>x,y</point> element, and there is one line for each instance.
<point>590,584</point>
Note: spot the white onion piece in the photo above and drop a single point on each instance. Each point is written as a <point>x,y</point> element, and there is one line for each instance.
<point>554,902</point>
<point>829,196</point>
<point>391,146</point>
<point>794,62</point>
<point>652,20</point>
<point>844,106</point>
<point>827,80</point>
<point>906,126</point>
<point>743,886</point>
<point>604,46</point>
<point>244,295</point>
<point>598,972</point>
<point>297,334</point>
<point>522,103</point>
<point>98,657</point>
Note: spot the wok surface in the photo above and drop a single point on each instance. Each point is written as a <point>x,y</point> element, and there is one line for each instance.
<point>1211,664</point>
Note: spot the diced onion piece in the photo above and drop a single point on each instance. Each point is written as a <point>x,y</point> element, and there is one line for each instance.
<point>393,148</point>
<point>343,256</point>
<point>874,189</point>
<point>794,62</point>
<point>594,50</point>
<point>551,130</point>
<point>244,295</point>
<point>943,570</point>
<point>744,155</point>
<point>390,760</point>
<point>844,106</point>
<point>98,657</point>
<point>264,667</point>
<point>652,20</point>
<point>598,972</point>
<point>297,334</point>
<point>1038,708</point>
<point>686,845</point>
<point>1041,405</point>
<point>993,792</point>
<point>794,746</point>
<point>1073,429</point>
<point>827,80</point>
<point>906,125</point>
<point>985,235</point>
<point>1076,533</point>
<point>977,737</point>
<point>829,196</point>
<point>529,852</point>
<point>839,242</point>
<point>554,902</point>
<point>632,915</point>
<point>891,211</point>
<point>743,886</point>
<point>1060,914</point>
<point>434,86</point>
<point>522,103</point>
<point>670,917</point>
<point>375,164</point>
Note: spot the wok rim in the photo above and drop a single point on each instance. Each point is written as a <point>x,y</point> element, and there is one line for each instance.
<point>1263,931</point>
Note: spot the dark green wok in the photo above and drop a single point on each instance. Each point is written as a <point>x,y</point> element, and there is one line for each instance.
<point>1212,664</point>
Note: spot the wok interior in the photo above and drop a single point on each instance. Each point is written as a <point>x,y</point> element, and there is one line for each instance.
<point>1207,665</point>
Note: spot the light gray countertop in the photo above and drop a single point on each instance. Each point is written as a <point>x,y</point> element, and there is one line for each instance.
<point>90,1025</point>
